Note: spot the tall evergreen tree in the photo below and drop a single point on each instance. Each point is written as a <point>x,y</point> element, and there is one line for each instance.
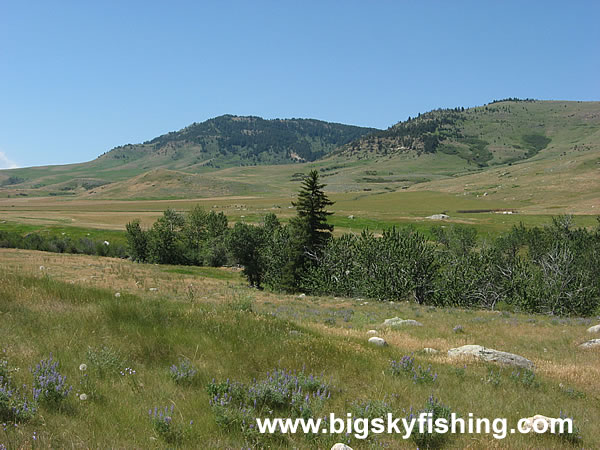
<point>311,220</point>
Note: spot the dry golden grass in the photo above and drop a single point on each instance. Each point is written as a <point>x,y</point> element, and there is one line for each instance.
<point>155,328</point>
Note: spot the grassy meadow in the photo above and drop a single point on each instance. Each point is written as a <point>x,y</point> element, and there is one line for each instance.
<point>66,305</point>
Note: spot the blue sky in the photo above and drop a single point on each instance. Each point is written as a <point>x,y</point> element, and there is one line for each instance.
<point>78,78</point>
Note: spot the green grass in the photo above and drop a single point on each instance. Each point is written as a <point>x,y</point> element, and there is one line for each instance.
<point>226,339</point>
<point>112,236</point>
<point>206,272</point>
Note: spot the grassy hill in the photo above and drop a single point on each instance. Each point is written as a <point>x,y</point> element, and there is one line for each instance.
<point>501,132</point>
<point>534,156</point>
<point>217,143</point>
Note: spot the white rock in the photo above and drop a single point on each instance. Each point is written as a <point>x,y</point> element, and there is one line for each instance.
<point>438,217</point>
<point>372,332</point>
<point>340,446</point>
<point>153,289</point>
<point>377,341</point>
<point>302,296</point>
<point>491,355</point>
<point>591,344</point>
<point>594,329</point>
<point>537,422</point>
<point>398,322</point>
<point>118,294</point>
<point>430,350</point>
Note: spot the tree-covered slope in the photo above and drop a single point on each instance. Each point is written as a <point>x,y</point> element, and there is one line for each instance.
<point>500,132</point>
<point>233,140</point>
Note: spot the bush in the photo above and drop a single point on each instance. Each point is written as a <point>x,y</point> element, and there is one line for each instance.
<point>406,367</point>
<point>163,424</point>
<point>105,360</point>
<point>14,405</point>
<point>48,384</point>
<point>431,440</point>
<point>183,373</point>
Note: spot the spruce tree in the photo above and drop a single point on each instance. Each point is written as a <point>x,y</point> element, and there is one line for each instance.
<point>311,220</point>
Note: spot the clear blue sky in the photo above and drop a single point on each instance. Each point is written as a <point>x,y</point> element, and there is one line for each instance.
<point>78,78</point>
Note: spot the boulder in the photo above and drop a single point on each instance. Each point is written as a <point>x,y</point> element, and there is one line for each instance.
<point>538,419</point>
<point>438,217</point>
<point>340,446</point>
<point>491,355</point>
<point>377,341</point>
<point>591,344</point>
<point>594,329</point>
<point>398,322</point>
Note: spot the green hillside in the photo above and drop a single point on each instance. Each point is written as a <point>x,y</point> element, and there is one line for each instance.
<point>501,132</point>
<point>225,141</point>
<point>549,143</point>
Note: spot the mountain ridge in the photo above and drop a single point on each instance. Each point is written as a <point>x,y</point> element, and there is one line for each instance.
<point>235,155</point>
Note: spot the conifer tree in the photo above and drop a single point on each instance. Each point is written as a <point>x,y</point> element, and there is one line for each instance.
<point>311,220</point>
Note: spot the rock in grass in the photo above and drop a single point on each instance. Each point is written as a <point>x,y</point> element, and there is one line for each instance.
<point>372,332</point>
<point>591,344</point>
<point>538,420</point>
<point>380,342</point>
<point>438,216</point>
<point>117,294</point>
<point>398,322</point>
<point>491,355</point>
<point>594,329</point>
<point>340,446</point>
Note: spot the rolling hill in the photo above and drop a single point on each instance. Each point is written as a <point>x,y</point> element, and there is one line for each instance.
<point>502,132</point>
<point>544,153</point>
<point>225,141</point>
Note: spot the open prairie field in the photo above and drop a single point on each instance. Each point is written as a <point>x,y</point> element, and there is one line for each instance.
<point>353,211</point>
<point>66,305</point>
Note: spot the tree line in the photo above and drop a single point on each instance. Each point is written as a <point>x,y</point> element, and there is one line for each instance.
<point>552,270</point>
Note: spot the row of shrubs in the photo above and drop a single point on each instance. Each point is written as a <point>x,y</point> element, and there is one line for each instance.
<point>552,270</point>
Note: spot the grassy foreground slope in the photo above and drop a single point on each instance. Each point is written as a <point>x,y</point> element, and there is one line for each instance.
<point>68,307</point>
